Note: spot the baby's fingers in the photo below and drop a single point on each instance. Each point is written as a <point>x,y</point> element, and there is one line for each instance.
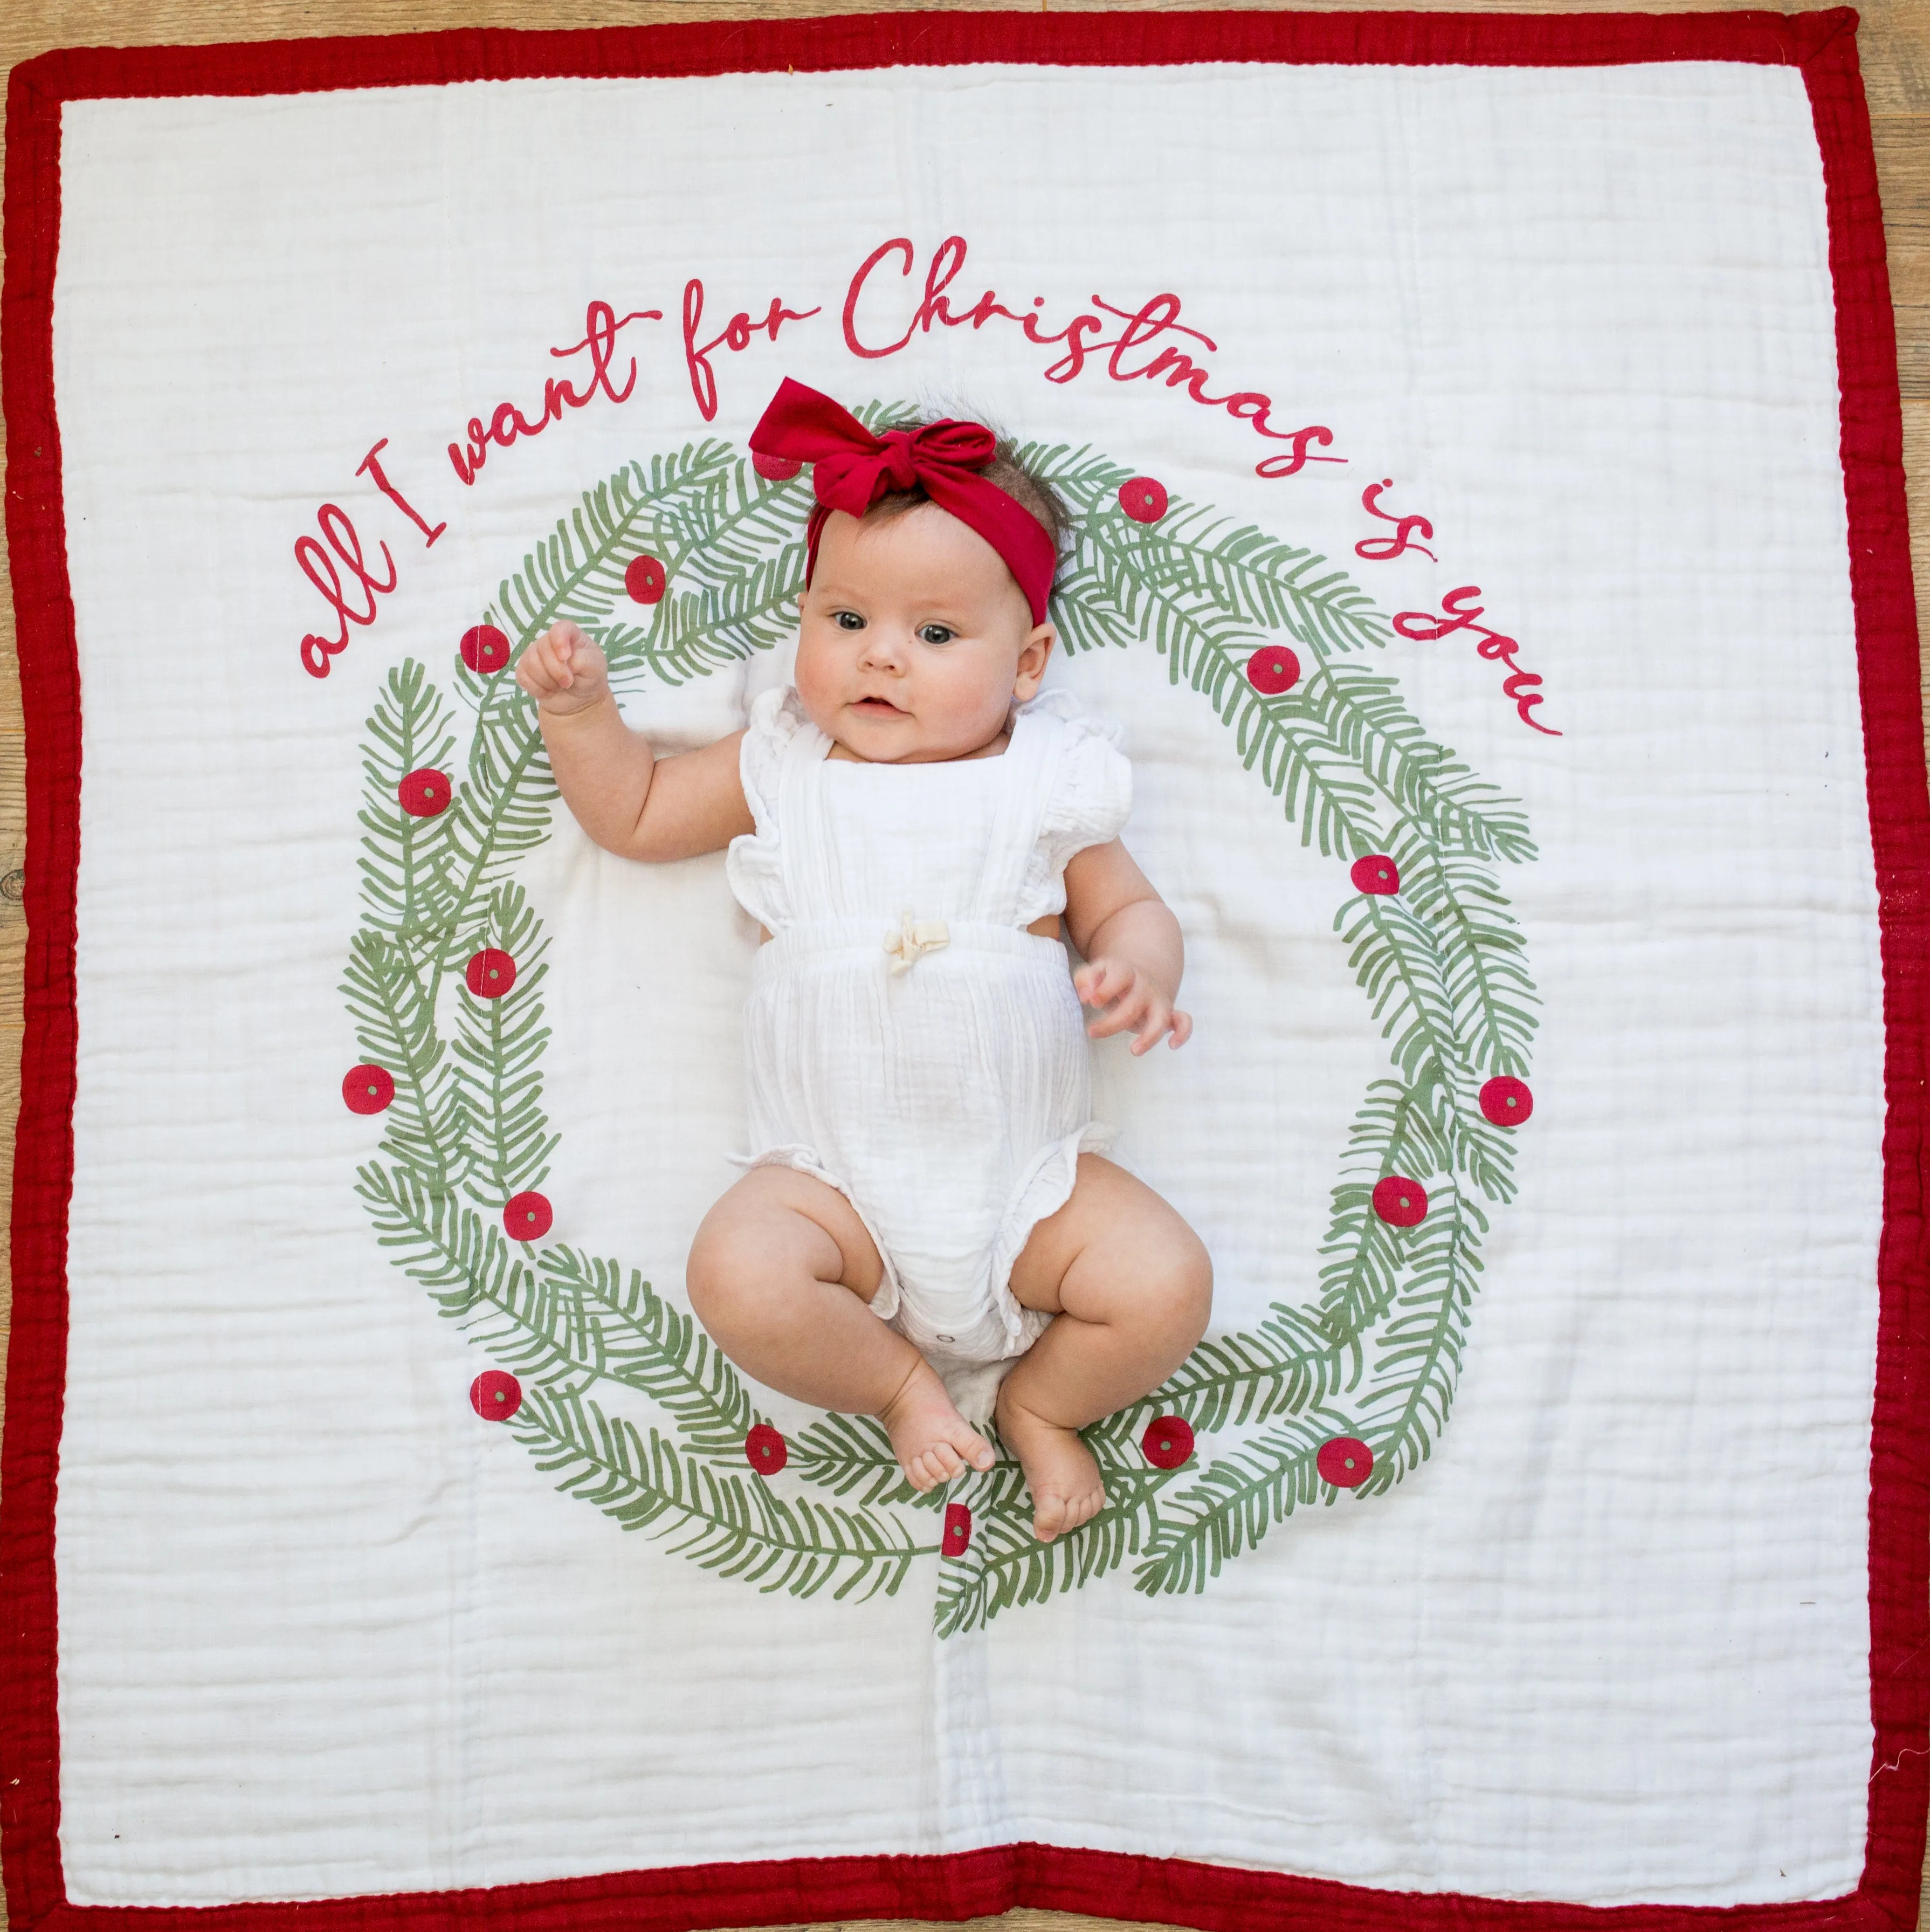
<point>1182,1028</point>
<point>1126,1015</point>
<point>539,673</point>
<point>1099,982</point>
<point>1158,1018</point>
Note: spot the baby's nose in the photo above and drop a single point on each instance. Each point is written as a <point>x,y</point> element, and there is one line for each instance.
<point>882,647</point>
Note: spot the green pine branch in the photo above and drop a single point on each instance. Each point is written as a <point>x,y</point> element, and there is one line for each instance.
<point>646,1344</point>
<point>733,554</point>
<point>1361,716</point>
<point>1445,966</point>
<point>692,632</point>
<point>465,1262</point>
<point>389,986</point>
<point>739,1526</point>
<point>1411,1386</point>
<point>1192,582</point>
<point>1004,1567</point>
<point>1396,961</point>
<point>1287,1362</point>
<point>844,1453</point>
<point>563,1319</point>
<point>1484,957</point>
<point>395,1028</point>
<point>1395,1131</point>
<point>578,570</point>
<point>498,1047</point>
<point>1235,1501</point>
<point>501,811</point>
<point>405,884</point>
<point>1262,582</point>
<point>1103,597</point>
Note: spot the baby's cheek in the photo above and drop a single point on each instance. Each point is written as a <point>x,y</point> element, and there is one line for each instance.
<point>975,689</point>
<point>815,678</point>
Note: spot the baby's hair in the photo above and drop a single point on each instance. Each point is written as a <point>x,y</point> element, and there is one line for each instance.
<point>1005,471</point>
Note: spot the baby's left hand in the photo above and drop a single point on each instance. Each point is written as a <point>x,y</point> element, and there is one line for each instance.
<point>1132,1002</point>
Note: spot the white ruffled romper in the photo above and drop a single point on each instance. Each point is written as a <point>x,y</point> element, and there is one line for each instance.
<point>906,1039</point>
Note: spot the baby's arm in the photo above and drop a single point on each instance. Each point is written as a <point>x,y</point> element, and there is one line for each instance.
<point>1134,955</point>
<point>630,801</point>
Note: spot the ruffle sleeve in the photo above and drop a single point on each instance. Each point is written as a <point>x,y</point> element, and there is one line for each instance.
<point>775,718</point>
<point>753,864</point>
<point>1089,803</point>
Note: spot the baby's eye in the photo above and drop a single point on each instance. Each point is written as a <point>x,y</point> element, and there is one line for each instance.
<point>847,620</point>
<point>937,634</point>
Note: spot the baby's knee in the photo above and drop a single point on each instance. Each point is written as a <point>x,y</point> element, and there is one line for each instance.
<point>1188,1286</point>
<point>1172,1294</point>
<point>722,1276</point>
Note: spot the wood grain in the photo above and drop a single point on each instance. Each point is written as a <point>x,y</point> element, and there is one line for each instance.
<point>1895,46</point>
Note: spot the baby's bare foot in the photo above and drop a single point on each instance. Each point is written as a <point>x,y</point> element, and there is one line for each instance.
<point>931,1440</point>
<point>1059,1470</point>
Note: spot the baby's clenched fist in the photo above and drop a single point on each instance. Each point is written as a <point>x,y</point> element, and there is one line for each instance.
<point>564,671</point>
<point>1131,1002</point>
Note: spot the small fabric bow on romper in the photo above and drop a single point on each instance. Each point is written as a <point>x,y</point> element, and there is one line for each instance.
<point>914,939</point>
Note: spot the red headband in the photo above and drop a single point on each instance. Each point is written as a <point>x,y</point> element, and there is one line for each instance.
<point>852,469</point>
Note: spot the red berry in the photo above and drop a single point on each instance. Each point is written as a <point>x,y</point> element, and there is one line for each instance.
<point>1168,1441</point>
<point>1273,669</point>
<point>425,793</point>
<point>1506,1101</point>
<point>1377,873</point>
<point>367,1090</point>
<point>485,648</point>
<point>774,469</point>
<point>495,1395</point>
<point>644,580</point>
<point>1144,498</point>
<point>764,1450</point>
<point>957,1529</point>
<point>526,1217</point>
<point>1344,1461</point>
<point>1401,1202</point>
<point>491,973</point>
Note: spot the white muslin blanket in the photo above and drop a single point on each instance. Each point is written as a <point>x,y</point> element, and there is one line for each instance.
<point>1481,435</point>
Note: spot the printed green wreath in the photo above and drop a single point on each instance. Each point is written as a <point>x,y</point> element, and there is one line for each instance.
<point>1366,1372</point>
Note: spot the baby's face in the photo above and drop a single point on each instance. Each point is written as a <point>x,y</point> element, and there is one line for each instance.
<point>915,640</point>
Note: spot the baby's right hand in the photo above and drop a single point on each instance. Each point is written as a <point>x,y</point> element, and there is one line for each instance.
<point>564,671</point>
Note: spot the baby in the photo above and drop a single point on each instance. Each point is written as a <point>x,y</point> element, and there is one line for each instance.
<point>907,823</point>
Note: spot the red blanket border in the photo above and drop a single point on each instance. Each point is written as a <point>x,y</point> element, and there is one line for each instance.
<point>1218,1898</point>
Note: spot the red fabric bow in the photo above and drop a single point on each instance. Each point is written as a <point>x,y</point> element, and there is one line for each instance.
<point>852,469</point>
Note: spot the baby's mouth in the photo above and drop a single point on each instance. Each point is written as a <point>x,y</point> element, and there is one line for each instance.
<point>877,707</point>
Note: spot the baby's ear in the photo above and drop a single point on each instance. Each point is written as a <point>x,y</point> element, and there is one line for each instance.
<point>1035,654</point>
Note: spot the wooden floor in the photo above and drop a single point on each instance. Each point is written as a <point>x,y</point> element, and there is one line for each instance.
<point>1895,44</point>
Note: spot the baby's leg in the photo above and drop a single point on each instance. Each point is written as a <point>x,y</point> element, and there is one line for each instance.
<point>780,1274</point>
<point>1132,1286</point>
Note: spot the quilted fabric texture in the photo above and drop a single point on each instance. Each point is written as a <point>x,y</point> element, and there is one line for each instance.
<point>1481,437</point>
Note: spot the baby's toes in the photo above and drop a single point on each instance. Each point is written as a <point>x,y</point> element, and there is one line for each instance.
<point>1051,1516</point>
<point>1048,1519</point>
<point>1058,1516</point>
